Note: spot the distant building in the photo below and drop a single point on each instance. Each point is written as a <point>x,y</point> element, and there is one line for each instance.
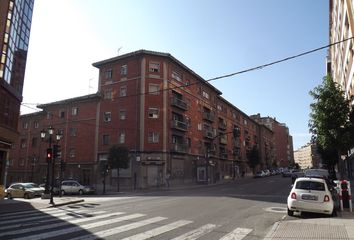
<point>15,27</point>
<point>171,120</point>
<point>307,157</point>
<point>283,141</point>
<point>340,56</point>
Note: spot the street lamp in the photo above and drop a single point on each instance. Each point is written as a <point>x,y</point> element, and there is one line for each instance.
<point>50,160</point>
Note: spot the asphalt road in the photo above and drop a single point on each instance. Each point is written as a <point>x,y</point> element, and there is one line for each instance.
<point>244,209</point>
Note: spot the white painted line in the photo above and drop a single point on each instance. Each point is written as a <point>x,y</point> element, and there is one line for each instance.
<point>237,234</point>
<point>157,231</point>
<point>195,234</point>
<point>47,221</point>
<point>28,212</point>
<point>120,229</point>
<point>80,228</point>
<point>49,226</point>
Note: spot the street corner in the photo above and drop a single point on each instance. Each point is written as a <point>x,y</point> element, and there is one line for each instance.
<point>61,201</point>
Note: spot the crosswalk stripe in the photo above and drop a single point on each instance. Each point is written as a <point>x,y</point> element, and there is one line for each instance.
<point>195,234</point>
<point>41,216</point>
<point>29,214</point>
<point>237,234</point>
<point>80,228</point>
<point>159,230</point>
<point>49,226</point>
<point>47,221</point>
<point>120,229</point>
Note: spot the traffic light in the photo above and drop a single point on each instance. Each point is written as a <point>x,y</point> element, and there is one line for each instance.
<point>49,154</point>
<point>56,151</point>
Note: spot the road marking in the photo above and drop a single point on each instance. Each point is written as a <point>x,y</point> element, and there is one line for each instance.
<point>22,225</point>
<point>80,228</point>
<point>159,230</point>
<point>195,234</point>
<point>49,226</point>
<point>28,212</point>
<point>237,234</point>
<point>120,229</point>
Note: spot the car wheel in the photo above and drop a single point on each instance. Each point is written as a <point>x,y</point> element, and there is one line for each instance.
<point>334,213</point>
<point>62,192</point>
<point>81,192</point>
<point>290,213</point>
<point>26,196</point>
<point>8,195</point>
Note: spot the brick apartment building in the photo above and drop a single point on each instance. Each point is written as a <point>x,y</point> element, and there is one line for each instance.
<point>15,26</point>
<point>170,118</point>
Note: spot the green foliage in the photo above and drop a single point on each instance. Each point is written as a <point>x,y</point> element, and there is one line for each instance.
<point>329,120</point>
<point>118,157</point>
<point>253,157</point>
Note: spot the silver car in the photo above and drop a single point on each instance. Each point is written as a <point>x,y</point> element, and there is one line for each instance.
<point>74,187</point>
<point>23,190</point>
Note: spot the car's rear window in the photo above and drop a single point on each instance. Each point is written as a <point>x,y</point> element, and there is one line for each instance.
<point>310,185</point>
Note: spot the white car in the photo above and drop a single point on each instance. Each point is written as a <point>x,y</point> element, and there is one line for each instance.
<point>310,195</point>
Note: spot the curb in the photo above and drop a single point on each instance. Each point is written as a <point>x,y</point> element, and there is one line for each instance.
<point>272,231</point>
<point>66,203</point>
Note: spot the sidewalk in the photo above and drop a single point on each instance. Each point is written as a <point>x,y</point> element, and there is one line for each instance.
<point>341,227</point>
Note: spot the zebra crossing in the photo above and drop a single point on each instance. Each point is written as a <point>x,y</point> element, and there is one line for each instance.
<point>85,224</point>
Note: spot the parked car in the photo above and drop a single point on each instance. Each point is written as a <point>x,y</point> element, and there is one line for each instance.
<point>260,174</point>
<point>310,195</point>
<point>23,190</point>
<point>55,189</point>
<point>74,187</point>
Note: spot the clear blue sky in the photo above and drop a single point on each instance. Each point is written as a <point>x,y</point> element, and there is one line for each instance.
<point>212,38</point>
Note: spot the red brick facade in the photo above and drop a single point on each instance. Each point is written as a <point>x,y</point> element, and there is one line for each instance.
<point>171,120</point>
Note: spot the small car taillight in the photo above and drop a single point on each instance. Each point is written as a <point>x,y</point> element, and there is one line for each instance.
<point>326,198</point>
<point>293,195</point>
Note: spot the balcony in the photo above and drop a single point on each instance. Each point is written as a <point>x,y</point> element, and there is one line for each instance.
<point>179,125</point>
<point>209,116</point>
<point>179,147</point>
<point>208,134</point>
<point>179,103</point>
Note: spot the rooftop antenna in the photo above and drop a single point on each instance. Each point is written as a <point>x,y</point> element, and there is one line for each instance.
<point>119,50</point>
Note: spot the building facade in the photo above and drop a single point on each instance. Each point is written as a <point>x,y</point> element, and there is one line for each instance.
<point>171,120</point>
<point>340,56</point>
<point>283,152</point>
<point>15,26</point>
<point>307,157</point>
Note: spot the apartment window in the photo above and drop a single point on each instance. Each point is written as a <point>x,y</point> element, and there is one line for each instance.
<point>154,67</point>
<point>108,94</point>
<point>109,74</point>
<point>154,89</point>
<point>74,111</point>
<point>21,162</point>
<point>153,112</point>
<point>72,152</point>
<point>61,113</point>
<point>200,127</point>
<point>153,137</point>
<point>123,91</point>
<point>177,75</point>
<point>73,132</point>
<point>205,94</point>
<point>107,116</point>
<point>34,142</point>
<point>122,114</point>
<point>122,137</point>
<point>25,125</point>
<point>219,107</point>
<point>105,139</point>
<point>36,124</point>
<point>49,115</point>
<point>124,70</point>
<point>23,143</point>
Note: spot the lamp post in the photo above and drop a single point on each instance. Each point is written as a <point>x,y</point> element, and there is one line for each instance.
<point>48,134</point>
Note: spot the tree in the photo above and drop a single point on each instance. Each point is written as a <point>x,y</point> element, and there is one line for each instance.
<point>253,158</point>
<point>329,120</point>
<point>118,157</point>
